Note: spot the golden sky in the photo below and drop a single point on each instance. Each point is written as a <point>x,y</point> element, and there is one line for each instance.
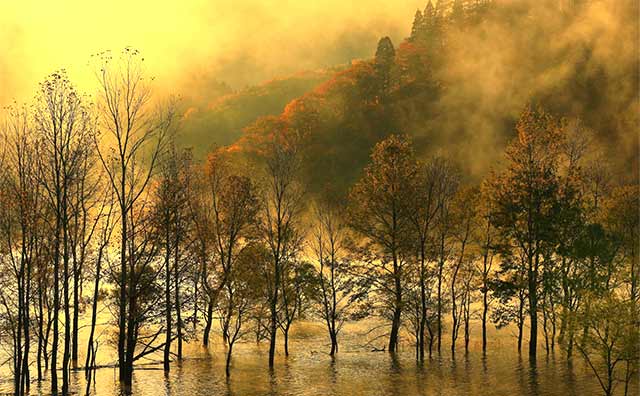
<point>241,42</point>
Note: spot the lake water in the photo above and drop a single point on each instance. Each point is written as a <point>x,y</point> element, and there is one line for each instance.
<point>309,370</point>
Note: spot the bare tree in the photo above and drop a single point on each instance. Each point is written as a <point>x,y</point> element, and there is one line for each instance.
<point>463,227</point>
<point>339,288</point>
<point>106,226</point>
<point>486,242</point>
<point>21,237</point>
<point>133,131</point>
<point>65,132</point>
<point>425,207</point>
<point>279,217</point>
<point>85,214</point>
<point>170,213</point>
<point>443,248</point>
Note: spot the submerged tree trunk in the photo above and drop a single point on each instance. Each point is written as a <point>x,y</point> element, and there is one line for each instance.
<point>545,325</point>
<point>467,318</point>
<point>74,330</point>
<point>228,362</point>
<point>286,340</point>
<point>47,333</point>
<point>208,322</point>
<point>520,320</point>
<point>40,327</point>
<point>167,297</point>
<point>67,314</point>
<point>533,305</point>
<point>176,266</point>
<point>274,315</point>
<point>334,344</point>
<point>486,267</point>
<point>94,313</point>
<point>397,309</point>
<point>485,310</point>
<point>56,310</point>
<point>132,305</point>
<point>439,302</point>
<point>423,303</point>
<point>122,298</point>
<point>431,337</point>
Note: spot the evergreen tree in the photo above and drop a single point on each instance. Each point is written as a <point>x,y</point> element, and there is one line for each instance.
<point>416,28</point>
<point>457,13</point>
<point>429,12</point>
<point>385,56</point>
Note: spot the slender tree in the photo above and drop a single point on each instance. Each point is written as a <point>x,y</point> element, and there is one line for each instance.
<point>65,131</point>
<point>486,243</point>
<point>380,214</point>
<point>426,201</point>
<point>21,236</point>
<point>464,226</point>
<point>136,136</point>
<point>232,207</point>
<point>340,291</point>
<point>281,206</point>
<point>443,246</point>
<point>525,200</point>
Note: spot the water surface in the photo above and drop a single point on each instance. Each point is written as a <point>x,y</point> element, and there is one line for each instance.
<point>355,371</point>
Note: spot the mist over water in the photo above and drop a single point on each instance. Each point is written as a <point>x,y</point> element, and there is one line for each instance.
<point>355,370</point>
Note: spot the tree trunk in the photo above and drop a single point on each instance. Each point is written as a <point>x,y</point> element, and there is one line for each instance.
<point>486,267</point>
<point>40,327</point>
<point>466,321</point>
<point>520,322</point>
<point>485,309</point>
<point>47,332</point>
<point>274,315</point>
<point>94,313</point>
<point>167,296</point>
<point>423,304</point>
<point>533,306</point>
<point>439,313</point>
<point>76,312</point>
<point>286,340</point>
<point>209,321</point>
<point>454,314</point>
<point>196,291</point>
<point>545,325</point>
<point>227,371</point>
<point>397,311</point>
<point>131,324</point>
<point>122,312</point>
<point>56,310</point>
<point>17,331</point>
<point>334,344</point>
<point>67,314</point>
<point>176,280</point>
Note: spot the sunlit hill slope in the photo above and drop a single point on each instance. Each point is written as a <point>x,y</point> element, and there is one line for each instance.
<point>456,85</point>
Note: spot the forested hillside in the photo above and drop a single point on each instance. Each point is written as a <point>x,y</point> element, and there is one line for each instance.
<point>461,79</point>
<point>220,120</point>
